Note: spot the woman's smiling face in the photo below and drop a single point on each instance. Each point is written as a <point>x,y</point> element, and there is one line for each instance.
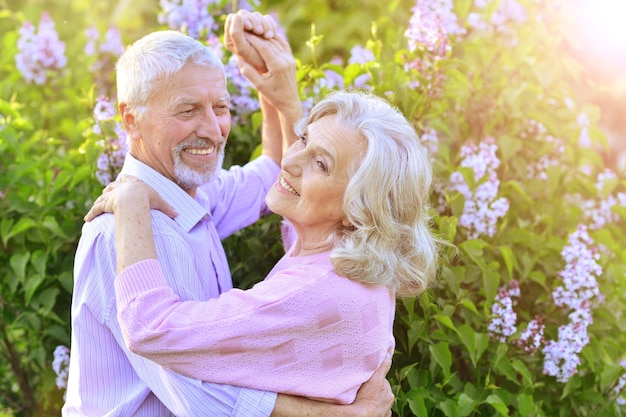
<point>315,172</point>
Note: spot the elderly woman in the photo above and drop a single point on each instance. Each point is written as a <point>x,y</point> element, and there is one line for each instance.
<point>355,189</point>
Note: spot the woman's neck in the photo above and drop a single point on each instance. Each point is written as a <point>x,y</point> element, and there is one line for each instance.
<point>311,248</point>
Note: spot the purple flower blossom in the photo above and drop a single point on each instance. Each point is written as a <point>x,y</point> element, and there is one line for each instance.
<point>192,16</point>
<point>598,211</point>
<point>360,55</point>
<point>482,207</point>
<point>579,290</point>
<point>503,318</point>
<point>61,364</point>
<point>507,13</point>
<point>561,356</point>
<point>430,140</point>
<point>104,109</point>
<point>111,160</point>
<point>531,338</point>
<point>538,132</point>
<point>39,52</point>
<point>578,276</point>
<point>114,143</point>
<point>431,23</point>
<point>242,100</point>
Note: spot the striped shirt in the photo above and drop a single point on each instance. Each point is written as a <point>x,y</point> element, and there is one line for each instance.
<point>105,379</point>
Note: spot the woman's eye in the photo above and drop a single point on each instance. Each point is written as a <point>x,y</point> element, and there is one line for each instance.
<point>322,165</point>
<point>303,139</point>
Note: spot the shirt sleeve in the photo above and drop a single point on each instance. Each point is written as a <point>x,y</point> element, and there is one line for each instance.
<point>287,334</point>
<point>182,395</point>
<point>237,195</point>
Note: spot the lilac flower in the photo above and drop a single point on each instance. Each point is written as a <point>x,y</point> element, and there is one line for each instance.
<point>112,42</point>
<point>360,55</point>
<point>538,132</point>
<point>41,52</point>
<point>192,16</point>
<point>561,356</point>
<point>106,53</point>
<point>430,140</point>
<point>598,211</point>
<point>104,109</point>
<point>111,160</point>
<point>579,290</point>
<point>508,12</point>
<point>114,143</point>
<point>503,318</point>
<point>482,208</point>
<point>214,44</point>
<point>242,100</point>
<point>93,36</point>
<point>431,23</point>
<point>531,338</point>
<point>61,364</point>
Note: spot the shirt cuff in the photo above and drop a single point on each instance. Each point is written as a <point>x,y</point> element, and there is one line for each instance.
<point>254,403</point>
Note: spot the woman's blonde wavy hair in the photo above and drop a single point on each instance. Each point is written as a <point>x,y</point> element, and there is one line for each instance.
<point>386,203</point>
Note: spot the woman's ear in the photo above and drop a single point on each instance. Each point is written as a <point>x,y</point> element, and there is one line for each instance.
<point>129,121</point>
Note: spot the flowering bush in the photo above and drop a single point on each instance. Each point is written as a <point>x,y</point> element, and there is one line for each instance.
<point>526,317</point>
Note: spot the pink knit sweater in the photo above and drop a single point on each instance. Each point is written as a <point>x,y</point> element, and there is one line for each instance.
<point>303,331</point>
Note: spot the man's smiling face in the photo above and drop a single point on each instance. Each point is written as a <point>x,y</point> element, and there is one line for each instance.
<point>183,132</point>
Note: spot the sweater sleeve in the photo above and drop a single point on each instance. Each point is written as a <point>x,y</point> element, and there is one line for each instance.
<point>296,332</point>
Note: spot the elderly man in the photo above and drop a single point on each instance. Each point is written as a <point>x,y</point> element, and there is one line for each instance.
<point>174,104</point>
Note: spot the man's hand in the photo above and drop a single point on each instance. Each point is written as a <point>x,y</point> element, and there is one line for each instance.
<point>375,397</point>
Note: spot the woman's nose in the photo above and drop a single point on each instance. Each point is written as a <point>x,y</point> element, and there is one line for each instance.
<point>292,162</point>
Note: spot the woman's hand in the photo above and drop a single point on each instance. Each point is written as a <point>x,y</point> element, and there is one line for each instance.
<point>242,22</point>
<point>124,192</point>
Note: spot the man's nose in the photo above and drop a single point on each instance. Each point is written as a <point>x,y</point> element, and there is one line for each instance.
<point>209,127</point>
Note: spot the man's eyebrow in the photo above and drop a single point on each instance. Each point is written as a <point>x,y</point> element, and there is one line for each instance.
<point>185,102</point>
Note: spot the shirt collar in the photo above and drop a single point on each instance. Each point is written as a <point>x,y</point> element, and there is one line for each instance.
<point>190,211</point>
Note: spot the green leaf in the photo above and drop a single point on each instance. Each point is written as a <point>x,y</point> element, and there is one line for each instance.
<point>509,259</point>
<point>30,286</point>
<point>497,403</point>
<point>22,225</point>
<point>446,321</point>
<point>18,264</point>
<point>38,260</point>
<point>509,147</point>
<point>449,408</point>
<point>51,224</point>
<point>521,369</point>
<point>416,402</point>
<point>525,405</point>
<point>466,405</point>
<point>504,367</point>
<point>47,298</point>
<point>442,355</point>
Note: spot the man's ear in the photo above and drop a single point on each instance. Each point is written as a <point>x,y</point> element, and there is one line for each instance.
<point>129,121</point>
